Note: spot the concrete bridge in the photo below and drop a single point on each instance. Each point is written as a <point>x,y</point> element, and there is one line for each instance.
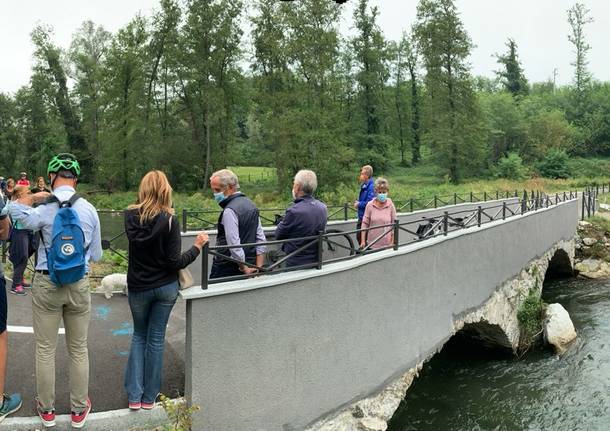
<point>293,350</point>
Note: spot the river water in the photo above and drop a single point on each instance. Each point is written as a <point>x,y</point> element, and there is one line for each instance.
<point>464,388</point>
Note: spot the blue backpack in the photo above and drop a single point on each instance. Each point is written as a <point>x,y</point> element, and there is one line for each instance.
<point>66,254</point>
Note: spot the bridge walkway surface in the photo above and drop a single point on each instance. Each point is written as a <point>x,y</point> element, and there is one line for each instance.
<point>109,339</point>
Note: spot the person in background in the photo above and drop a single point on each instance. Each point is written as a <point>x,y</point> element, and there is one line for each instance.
<point>10,187</point>
<point>155,258</point>
<point>379,212</point>
<point>41,186</point>
<point>367,194</point>
<point>19,249</point>
<point>238,223</point>
<point>8,404</point>
<point>2,185</point>
<point>306,217</point>
<point>23,180</point>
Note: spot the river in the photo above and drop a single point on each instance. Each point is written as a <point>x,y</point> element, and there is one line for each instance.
<point>465,388</point>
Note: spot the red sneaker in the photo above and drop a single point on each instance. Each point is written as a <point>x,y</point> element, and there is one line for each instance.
<point>79,419</point>
<point>135,406</point>
<point>148,406</point>
<point>46,416</point>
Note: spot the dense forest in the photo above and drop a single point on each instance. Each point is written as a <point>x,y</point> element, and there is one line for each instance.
<point>186,91</point>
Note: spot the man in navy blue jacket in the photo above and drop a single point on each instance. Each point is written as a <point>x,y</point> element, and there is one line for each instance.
<point>306,217</point>
<point>367,194</point>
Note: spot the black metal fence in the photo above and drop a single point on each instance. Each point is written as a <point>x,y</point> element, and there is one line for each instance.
<point>401,233</point>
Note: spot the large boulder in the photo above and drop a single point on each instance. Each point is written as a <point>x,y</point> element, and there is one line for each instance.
<point>589,265</point>
<point>589,241</point>
<point>558,328</point>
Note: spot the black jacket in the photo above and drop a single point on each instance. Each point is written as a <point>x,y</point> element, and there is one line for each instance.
<point>154,251</point>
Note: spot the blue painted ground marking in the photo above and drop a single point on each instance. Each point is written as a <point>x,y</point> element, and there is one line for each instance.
<point>102,312</point>
<point>126,329</point>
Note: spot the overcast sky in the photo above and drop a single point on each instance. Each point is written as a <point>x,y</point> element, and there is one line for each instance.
<point>538,26</point>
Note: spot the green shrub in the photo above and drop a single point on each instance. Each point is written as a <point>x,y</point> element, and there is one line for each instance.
<point>555,165</point>
<point>180,415</point>
<point>530,316</point>
<point>510,167</point>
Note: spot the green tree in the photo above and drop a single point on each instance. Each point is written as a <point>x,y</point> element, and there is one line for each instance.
<point>578,18</point>
<point>49,64</point>
<point>87,56</point>
<point>370,56</point>
<point>454,123</point>
<point>512,76</point>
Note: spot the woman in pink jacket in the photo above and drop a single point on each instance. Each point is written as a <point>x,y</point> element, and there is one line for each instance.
<point>379,212</point>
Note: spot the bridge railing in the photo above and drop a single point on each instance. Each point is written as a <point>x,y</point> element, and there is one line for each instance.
<point>208,219</point>
<point>327,243</point>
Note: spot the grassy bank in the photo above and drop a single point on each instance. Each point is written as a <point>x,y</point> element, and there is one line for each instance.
<point>420,182</point>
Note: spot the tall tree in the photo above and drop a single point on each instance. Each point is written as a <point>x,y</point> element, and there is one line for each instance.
<point>410,56</point>
<point>578,18</point>
<point>370,55</point>
<point>455,128</point>
<point>87,55</point>
<point>48,63</point>
<point>206,69</point>
<point>512,75</point>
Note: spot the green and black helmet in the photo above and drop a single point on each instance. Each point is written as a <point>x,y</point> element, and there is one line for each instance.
<point>64,162</point>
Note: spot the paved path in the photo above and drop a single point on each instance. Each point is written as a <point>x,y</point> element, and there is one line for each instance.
<point>109,339</point>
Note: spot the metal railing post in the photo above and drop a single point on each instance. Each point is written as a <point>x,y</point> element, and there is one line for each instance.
<point>345,209</point>
<point>445,223</point>
<point>320,249</point>
<point>556,198</point>
<point>484,196</point>
<point>524,203</point>
<point>396,233</point>
<point>184,220</point>
<point>470,196</point>
<point>479,216</point>
<point>205,252</point>
<point>455,199</point>
<point>504,210</point>
<point>411,205</point>
<point>435,201</point>
<point>582,217</point>
<point>497,195</point>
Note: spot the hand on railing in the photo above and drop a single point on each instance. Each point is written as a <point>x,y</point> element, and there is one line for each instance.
<point>201,239</point>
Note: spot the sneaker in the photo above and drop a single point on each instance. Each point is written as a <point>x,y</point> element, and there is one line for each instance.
<point>135,406</point>
<point>148,406</point>
<point>79,419</point>
<point>18,290</point>
<point>10,405</point>
<point>46,416</point>
<point>25,284</point>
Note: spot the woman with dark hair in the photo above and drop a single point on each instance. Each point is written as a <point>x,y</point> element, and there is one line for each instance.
<point>152,280</point>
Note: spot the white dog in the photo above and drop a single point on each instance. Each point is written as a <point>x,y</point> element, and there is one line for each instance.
<point>114,283</point>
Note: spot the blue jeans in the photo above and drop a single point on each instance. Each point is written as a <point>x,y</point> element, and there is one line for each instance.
<point>150,310</point>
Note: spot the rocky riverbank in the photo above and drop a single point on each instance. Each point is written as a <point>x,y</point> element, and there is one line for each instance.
<point>592,258</point>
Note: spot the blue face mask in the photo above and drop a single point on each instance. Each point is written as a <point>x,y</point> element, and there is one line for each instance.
<point>382,197</point>
<point>219,197</point>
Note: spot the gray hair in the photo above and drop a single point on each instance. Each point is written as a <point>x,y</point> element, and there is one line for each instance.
<point>368,170</point>
<point>307,180</point>
<point>227,178</point>
<point>381,182</point>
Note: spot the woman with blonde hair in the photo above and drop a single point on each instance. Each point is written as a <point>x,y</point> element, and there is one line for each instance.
<point>152,280</point>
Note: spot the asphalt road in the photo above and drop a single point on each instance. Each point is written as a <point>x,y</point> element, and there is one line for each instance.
<point>109,339</point>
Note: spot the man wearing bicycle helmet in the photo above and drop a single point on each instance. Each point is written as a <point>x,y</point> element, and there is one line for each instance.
<point>53,301</point>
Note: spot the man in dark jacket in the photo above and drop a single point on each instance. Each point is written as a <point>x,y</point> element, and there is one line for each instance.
<point>367,194</point>
<point>306,217</point>
<point>238,223</point>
